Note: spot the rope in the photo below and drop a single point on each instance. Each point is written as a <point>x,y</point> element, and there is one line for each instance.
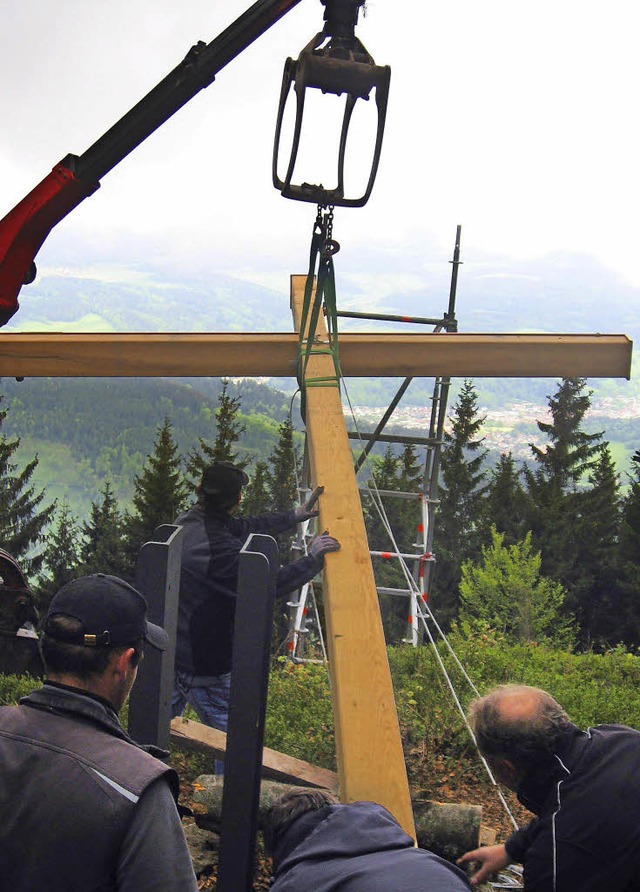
<point>424,612</point>
<point>460,708</point>
<point>321,253</point>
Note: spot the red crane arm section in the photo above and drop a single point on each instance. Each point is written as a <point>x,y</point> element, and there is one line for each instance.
<point>25,228</point>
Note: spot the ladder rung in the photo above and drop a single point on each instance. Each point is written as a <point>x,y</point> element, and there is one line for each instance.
<point>390,554</point>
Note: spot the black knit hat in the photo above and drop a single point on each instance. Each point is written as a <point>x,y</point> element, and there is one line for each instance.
<point>111,611</point>
<point>223,479</point>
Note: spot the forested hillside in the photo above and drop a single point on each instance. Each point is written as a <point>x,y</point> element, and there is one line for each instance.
<point>91,430</point>
<point>562,293</point>
<point>86,431</point>
<point>544,550</point>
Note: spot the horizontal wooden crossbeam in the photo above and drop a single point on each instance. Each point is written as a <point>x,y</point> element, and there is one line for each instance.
<point>275,355</point>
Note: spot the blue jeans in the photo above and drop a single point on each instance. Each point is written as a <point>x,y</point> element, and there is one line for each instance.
<point>210,701</point>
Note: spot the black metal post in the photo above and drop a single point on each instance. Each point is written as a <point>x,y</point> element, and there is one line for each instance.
<point>381,424</point>
<point>259,565</point>
<point>158,578</point>
<point>450,315</point>
<point>436,428</point>
<point>389,317</point>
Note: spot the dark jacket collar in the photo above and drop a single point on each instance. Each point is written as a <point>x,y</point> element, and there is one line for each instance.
<point>545,774</point>
<point>74,690</point>
<point>65,700</point>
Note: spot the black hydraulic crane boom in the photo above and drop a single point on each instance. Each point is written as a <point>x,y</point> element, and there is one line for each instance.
<point>24,229</point>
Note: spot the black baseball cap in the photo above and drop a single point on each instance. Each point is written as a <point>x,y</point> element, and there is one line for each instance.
<point>111,611</point>
<point>223,479</point>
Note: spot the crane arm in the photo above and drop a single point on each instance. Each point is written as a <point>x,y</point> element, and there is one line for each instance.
<point>24,229</point>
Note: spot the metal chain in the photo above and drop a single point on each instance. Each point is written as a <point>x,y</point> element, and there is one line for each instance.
<point>324,225</point>
<point>328,217</point>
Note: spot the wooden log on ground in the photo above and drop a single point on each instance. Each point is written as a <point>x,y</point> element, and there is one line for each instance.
<point>207,800</point>
<point>448,829</point>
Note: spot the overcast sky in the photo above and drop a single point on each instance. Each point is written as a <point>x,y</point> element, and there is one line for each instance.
<point>517,120</point>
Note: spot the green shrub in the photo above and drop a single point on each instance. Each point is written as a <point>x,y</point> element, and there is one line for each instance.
<point>299,716</point>
<point>12,687</point>
<point>593,688</point>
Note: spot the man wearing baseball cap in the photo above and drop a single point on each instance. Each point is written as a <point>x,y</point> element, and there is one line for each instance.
<point>211,546</point>
<point>82,805</point>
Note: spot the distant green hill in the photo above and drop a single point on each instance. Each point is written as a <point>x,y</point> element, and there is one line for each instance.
<point>86,431</point>
<point>562,293</point>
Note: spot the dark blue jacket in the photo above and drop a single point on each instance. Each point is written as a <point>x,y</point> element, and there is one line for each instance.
<point>360,848</point>
<point>586,836</point>
<point>209,578</point>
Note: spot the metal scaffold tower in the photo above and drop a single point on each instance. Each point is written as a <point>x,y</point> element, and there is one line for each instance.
<point>305,640</point>
<point>422,562</point>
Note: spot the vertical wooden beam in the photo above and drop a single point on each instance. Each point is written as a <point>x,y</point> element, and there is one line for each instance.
<point>369,747</point>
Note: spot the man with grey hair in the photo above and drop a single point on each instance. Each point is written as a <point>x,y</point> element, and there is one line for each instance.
<point>583,787</point>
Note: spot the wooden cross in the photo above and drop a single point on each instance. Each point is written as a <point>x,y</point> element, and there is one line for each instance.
<point>369,749</point>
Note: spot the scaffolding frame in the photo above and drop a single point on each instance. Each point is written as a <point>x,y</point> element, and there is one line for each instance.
<point>424,562</point>
<point>303,609</point>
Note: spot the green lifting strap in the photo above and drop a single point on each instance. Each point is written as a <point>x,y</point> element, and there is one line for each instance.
<point>321,254</point>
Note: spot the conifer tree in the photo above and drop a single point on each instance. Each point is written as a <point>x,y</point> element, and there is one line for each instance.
<point>386,474</point>
<point>282,495</point>
<point>557,487</point>
<point>393,473</point>
<point>23,518</point>
<point>598,594</point>
<point>507,504</point>
<point>506,592</point>
<point>103,549</point>
<point>281,484</point>
<point>61,557</point>
<point>255,496</point>
<point>629,552</point>
<point>411,471</point>
<point>160,492</point>
<point>283,465</point>
<point>571,453</point>
<point>380,510</point>
<point>228,433</point>
<point>407,522</point>
<point>630,523</point>
<point>458,524</point>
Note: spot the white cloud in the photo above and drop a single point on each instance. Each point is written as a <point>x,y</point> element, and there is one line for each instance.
<point>516,121</point>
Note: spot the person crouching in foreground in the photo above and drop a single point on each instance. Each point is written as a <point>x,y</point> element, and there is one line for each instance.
<point>317,843</point>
